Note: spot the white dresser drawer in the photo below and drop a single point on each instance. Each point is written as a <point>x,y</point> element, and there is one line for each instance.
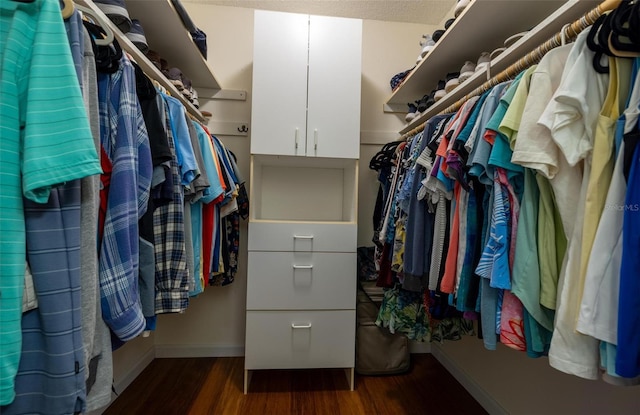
<point>302,237</point>
<point>301,280</point>
<point>300,339</point>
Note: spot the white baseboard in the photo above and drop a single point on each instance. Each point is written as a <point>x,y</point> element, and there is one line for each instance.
<point>479,394</point>
<point>419,347</point>
<point>135,371</point>
<point>184,350</point>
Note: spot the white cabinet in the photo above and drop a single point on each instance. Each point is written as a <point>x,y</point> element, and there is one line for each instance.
<point>301,274</point>
<point>306,85</point>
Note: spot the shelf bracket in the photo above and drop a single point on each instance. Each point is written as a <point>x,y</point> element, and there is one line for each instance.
<point>220,128</point>
<point>222,94</point>
<point>395,108</point>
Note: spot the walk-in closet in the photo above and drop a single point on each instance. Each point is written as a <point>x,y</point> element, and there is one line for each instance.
<point>319,207</point>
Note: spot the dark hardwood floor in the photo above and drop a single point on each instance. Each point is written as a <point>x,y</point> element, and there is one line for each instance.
<point>214,386</point>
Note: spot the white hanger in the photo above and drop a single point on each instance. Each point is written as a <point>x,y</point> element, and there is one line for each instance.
<point>103,24</point>
<point>563,34</point>
<point>67,10</point>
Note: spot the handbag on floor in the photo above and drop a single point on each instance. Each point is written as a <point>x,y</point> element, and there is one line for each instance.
<point>378,352</point>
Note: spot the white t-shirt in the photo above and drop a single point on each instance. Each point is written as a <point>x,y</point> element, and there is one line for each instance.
<point>571,117</point>
<point>535,147</point>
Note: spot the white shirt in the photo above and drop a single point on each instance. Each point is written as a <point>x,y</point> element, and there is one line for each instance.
<point>571,117</point>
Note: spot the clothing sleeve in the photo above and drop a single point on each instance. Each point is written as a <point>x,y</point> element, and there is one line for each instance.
<point>184,151</point>
<point>215,188</point>
<point>572,115</point>
<point>58,145</point>
<point>535,147</point>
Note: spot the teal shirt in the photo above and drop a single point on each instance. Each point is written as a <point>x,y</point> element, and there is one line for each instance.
<point>45,140</point>
<point>501,151</point>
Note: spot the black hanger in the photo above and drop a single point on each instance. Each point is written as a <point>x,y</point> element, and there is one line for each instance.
<point>384,157</point>
<point>625,24</point>
<point>107,56</point>
<point>593,42</point>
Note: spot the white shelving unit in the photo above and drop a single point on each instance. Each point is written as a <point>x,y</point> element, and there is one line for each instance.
<point>166,34</point>
<point>149,68</point>
<point>467,38</point>
<point>301,272</point>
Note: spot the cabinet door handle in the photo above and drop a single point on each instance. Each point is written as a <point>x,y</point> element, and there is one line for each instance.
<point>297,137</point>
<point>300,326</point>
<point>302,266</point>
<point>315,139</point>
<point>302,236</point>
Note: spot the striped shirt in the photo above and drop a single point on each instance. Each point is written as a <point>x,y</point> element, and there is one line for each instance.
<point>45,140</point>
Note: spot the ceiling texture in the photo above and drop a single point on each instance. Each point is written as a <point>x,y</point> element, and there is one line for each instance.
<point>428,12</point>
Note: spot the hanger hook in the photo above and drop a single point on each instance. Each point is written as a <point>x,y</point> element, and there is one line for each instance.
<point>563,34</point>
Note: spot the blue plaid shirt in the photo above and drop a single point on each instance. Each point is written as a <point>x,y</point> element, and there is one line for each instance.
<point>124,138</point>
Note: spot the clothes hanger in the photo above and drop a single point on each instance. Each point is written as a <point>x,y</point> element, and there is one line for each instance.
<point>593,43</point>
<point>624,40</point>
<point>103,24</point>
<point>384,157</point>
<point>68,9</point>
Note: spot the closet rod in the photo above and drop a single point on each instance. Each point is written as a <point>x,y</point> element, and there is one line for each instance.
<point>570,32</point>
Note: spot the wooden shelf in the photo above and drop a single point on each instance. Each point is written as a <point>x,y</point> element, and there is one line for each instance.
<point>166,34</point>
<point>149,68</point>
<point>567,12</point>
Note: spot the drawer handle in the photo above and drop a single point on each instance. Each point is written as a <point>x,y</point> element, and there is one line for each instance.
<point>300,326</point>
<point>302,236</point>
<point>315,140</point>
<point>303,267</point>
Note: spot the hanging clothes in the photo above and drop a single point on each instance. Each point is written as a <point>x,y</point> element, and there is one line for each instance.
<point>41,147</point>
<point>538,230</point>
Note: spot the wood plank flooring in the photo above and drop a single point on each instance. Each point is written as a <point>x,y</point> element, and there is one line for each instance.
<point>197,386</point>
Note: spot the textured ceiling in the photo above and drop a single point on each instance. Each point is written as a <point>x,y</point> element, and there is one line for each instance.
<point>429,12</point>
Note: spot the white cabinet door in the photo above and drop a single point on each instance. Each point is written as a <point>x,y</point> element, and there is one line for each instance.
<point>335,71</point>
<point>279,93</point>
